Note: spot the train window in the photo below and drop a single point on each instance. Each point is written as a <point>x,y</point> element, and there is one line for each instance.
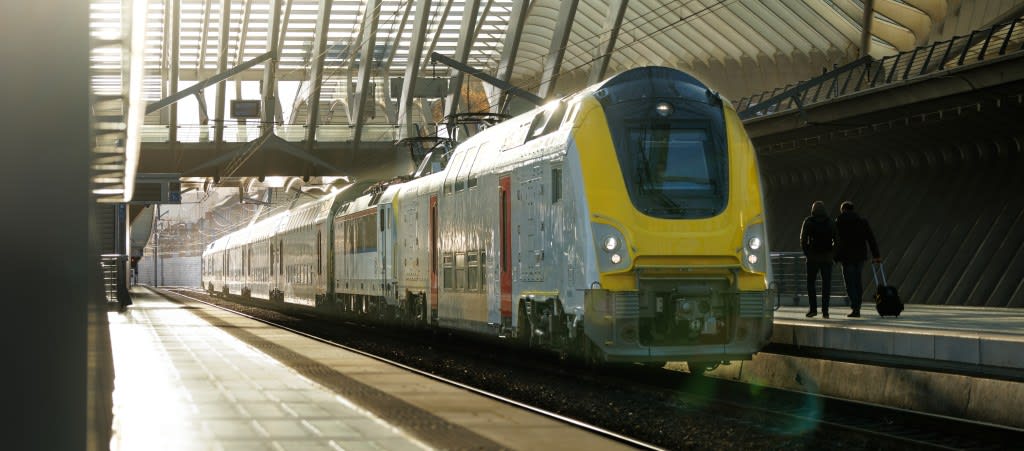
<point>319,253</point>
<point>460,271</point>
<point>570,114</point>
<point>556,184</point>
<point>547,121</point>
<point>483,270</point>
<point>473,271</point>
<point>446,265</point>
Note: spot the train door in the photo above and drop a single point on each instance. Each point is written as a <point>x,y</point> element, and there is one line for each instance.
<point>387,252</point>
<point>433,257</point>
<point>505,252</point>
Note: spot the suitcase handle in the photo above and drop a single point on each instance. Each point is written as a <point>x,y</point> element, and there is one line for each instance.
<point>881,270</point>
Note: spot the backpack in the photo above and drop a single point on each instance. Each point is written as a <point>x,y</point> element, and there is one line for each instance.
<point>820,234</point>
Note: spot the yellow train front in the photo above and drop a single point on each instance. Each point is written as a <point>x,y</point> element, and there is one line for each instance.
<point>679,269</point>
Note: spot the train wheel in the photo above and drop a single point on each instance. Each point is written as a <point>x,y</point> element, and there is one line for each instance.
<point>592,356</point>
<point>524,333</point>
<point>698,368</point>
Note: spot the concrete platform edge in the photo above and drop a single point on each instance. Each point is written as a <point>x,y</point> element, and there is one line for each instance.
<point>977,399</point>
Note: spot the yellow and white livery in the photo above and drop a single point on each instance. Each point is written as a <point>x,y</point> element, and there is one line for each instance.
<point>624,223</point>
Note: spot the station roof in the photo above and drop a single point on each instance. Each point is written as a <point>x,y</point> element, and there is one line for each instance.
<point>547,47</point>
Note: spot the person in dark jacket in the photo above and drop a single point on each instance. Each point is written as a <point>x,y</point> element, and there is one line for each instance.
<point>855,238</point>
<point>818,239</point>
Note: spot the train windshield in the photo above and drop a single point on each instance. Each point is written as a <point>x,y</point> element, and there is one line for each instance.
<point>669,135</point>
<point>674,172</point>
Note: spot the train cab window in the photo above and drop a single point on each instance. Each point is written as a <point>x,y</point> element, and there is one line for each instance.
<point>546,121</point>
<point>679,172</point>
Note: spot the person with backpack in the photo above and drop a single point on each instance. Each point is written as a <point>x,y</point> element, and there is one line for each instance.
<point>818,238</point>
<point>855,237</point>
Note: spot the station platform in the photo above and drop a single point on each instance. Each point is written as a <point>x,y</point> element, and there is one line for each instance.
<point>978,341</point>
<point>190,376</point>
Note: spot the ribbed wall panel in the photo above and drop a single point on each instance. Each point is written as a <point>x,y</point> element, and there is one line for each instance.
<point>949,221</point>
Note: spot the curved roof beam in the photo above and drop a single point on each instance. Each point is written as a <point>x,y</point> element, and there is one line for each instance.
<point>935,9</point>
<point>850,28</point>
<point>894,34</point>
<point>776,35</point>
<point>755,33</point>
<point>803,18</point>
<point>700,22</point>
<point>917,21</point>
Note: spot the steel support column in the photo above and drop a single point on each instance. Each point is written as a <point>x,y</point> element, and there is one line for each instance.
<point>316,72</point>
<point>466,37</point>
<point>412,69</point>
<point>612,23</point>
<point>389,106</point>
<point>865,35</point>
<point>222,66</point>
<point>509,49</point>
<point>553,63</point>
<point>269,93</point>
<point>172,85</point>
<point>371,16</point>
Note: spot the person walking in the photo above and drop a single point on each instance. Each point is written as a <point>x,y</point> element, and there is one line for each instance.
<point>817,240</point>
<point>855,238</point>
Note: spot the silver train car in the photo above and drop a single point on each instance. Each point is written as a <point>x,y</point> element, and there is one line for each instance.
<point>623,223</point>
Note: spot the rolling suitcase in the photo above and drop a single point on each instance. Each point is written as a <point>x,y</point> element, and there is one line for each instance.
<point>887,300</point>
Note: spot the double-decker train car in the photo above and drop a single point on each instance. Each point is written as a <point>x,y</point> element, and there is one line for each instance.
<point>624,223</point>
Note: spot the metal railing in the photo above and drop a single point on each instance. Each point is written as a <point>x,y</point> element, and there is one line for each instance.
<point>108,264</point>
<point>790,279</point>
<point>866,73</point>
<point>235,133</point>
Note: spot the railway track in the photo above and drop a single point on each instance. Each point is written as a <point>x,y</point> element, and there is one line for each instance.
<point>645,407</point>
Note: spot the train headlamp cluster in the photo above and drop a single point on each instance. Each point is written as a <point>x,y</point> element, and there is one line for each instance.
<point>664,109</point>
<point>755,256</point>
<point>614,255</point>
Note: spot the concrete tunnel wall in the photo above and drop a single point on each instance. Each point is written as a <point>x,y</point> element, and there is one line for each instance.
<point>948,214</point>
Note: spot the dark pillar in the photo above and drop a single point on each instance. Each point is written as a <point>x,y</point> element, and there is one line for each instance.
<point>49,276</point>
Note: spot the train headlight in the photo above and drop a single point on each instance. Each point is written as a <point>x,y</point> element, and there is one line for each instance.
<point>664,109</point>
<point>611,248</point>
<point>755,249</point>
<point>754,244</point>
<point>610,243</point>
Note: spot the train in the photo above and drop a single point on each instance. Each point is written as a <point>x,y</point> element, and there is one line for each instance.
<point>624,223</point>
